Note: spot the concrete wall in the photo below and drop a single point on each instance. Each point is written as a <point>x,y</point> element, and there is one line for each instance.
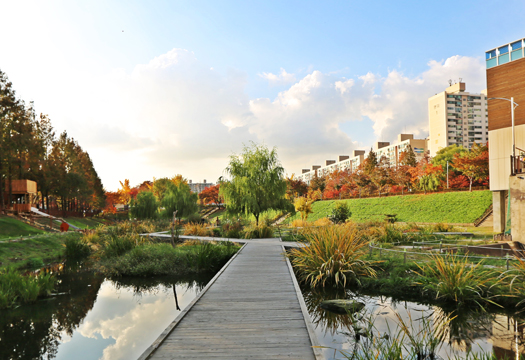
<point>500,149</point>
<point>517,207</point>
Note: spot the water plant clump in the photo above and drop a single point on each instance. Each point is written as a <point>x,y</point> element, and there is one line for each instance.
<point>18,288</point>
<point>334,256</point>
<point>456,279</point>
<point>164,259</point>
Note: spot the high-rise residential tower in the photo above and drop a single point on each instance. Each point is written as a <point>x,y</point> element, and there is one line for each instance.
<point>457,117</point>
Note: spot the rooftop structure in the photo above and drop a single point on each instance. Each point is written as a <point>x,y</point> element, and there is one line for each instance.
<point>199,187</point>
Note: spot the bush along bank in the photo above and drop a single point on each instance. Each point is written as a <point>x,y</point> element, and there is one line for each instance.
<point>120,251</point>
<point>331,260</point>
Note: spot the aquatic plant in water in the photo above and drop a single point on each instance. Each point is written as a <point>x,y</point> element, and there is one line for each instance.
<point>456,279</point>
<point>334,256</point>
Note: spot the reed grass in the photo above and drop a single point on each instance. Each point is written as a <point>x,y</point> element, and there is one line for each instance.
<point>197,229</point>
<point>457,280</point>
<point>334,256</point>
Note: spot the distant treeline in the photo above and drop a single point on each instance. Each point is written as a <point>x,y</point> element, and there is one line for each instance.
<point>29,150</point>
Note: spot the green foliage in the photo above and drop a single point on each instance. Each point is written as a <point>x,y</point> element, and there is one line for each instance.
<point>257,182</point>
<point>454,207</point>
<point>163,259</point>
<point>15,287</point>
<point>144,206</point>
<point>76,249</point>
<point>179,198</point>
<point>447,154</point>
<point>340,212</point>
<point>457,280</point>
<point>334,256</point>
<point>118,245</point>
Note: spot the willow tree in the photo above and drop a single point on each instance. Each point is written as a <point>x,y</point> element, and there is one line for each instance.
<point>256,184</point>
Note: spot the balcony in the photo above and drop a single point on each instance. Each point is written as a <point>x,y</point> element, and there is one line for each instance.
<point>517,164</point>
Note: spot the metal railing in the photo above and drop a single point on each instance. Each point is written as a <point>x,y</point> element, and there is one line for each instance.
<point>507,255</point>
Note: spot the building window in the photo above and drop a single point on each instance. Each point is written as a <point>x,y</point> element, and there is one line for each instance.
<point>516,45</point>
<point>503,50</point>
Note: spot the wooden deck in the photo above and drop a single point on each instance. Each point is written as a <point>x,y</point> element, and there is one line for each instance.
<point>250,311</point>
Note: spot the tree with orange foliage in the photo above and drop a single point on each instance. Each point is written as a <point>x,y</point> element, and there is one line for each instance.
<point>473,164</point>
<point>112,199</point>
<point>426,176</point>
<point>210,195</point>
<point>337,183</point>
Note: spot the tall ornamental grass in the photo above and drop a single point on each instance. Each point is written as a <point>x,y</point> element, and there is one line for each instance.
<point>334,256</point>
<point>456,279</point>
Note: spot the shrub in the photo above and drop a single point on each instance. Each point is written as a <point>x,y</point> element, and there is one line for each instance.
<point>333,257</point>
<point>456,279</point>
<point>262,231</point>
<point>197,229</point>
<point>340,212</point>
<point>119,245</point>
<point>322,222</point>
<point>76,249</point>
<point>194,218</point>
<point>15,287</point>
<point>163,259</point>
<point>232,229</point>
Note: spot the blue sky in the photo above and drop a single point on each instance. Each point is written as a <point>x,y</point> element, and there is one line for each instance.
<point>164,87</point>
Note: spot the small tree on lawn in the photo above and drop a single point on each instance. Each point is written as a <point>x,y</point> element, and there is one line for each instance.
<point>257,182</point>
<point>340,212</point>
<point>304,206</point>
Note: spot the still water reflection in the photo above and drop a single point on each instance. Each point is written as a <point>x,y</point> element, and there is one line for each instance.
<point>91,317</point>
<point>463,332</point>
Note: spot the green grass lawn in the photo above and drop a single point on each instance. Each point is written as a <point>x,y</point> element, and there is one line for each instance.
<point>11,228</point>
<point>457,207</point>
<point>83,223</point>
<point>39,249</point>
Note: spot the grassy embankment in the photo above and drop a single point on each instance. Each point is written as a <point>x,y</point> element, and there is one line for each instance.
<point>458,207</point>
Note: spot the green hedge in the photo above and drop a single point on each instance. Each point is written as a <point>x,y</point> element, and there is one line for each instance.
<point>453,207</point>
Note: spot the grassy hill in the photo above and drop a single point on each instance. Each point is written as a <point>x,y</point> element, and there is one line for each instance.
<point>10,227</point>
<point>457,207</point>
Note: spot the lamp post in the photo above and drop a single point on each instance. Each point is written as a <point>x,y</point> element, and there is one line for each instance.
<point>512,107</point>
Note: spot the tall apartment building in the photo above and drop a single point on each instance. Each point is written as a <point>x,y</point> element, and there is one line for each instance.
<point>351,163</point>
<point>506,80</point>
<point>457,117</point>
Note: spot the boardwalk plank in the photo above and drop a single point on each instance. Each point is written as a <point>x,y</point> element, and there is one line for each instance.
<point>250,312</point>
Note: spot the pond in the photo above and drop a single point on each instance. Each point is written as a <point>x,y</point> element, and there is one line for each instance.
<point>463,332</point>
<point>91,317</point>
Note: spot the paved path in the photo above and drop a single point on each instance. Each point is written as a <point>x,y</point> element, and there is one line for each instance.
<point>253,309</point>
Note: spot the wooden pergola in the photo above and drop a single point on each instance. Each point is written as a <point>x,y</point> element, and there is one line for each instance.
<point>23,193</point>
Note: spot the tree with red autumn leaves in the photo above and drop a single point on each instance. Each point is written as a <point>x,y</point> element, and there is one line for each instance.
<point>295,188</point>
<point>474,164</point>
<point>211,195</point>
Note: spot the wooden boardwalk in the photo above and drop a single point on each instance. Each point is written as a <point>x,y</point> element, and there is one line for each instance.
<point>251,311</point>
